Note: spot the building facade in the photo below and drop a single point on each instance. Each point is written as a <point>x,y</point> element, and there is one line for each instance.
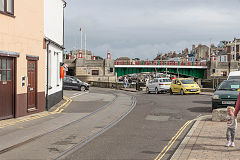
<point>22,58</point>
<point>93,69</point>
<point>54,44</point>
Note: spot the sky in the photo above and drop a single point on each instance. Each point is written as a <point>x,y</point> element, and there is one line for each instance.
<point>143,28</point>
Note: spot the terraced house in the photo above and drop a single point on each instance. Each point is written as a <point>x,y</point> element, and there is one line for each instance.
<point>22,58</point>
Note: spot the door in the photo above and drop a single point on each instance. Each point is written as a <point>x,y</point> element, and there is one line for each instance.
<point>6,87</point>
<point>32,85</point>
<point>178,86</point>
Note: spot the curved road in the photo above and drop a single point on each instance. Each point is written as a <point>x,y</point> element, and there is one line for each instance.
<point>147,129</point>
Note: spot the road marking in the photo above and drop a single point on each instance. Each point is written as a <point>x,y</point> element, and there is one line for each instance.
<point>172,141</point>
<point>79,94</point>
<point>89,138</point>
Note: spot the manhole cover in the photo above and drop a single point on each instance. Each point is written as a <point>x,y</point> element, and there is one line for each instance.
<point>157,118</point>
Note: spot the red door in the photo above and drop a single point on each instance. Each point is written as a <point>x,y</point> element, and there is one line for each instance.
<point>32,85</point>
<point>6,87</point>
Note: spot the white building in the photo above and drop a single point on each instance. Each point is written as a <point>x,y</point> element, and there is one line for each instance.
<point>54,39</point>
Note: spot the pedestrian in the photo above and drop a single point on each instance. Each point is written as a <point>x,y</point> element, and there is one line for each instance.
<point>130,82</point>
<point>231,126</point>
<point>125,82</point>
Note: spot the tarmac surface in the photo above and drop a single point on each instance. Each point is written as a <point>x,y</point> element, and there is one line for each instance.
<point>105,124</point>
<point>147,129</point>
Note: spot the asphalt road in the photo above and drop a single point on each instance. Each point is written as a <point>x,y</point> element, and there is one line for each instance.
<point>147,129</point>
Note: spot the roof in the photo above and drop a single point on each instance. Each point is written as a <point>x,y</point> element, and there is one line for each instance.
<point>183,78</point>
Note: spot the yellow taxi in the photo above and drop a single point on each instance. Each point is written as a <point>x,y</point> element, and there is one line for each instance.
<point>184,86</point>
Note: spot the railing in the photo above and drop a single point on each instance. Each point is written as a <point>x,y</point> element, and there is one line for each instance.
<point>164,63</point>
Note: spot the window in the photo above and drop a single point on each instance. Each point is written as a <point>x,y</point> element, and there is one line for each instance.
<point>5,69</point>
<point>6,6</point>
<point>111,69</point>
<point>58,69</point>
<point>95,72</point>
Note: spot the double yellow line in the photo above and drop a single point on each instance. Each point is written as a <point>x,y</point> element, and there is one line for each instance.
<point>171,142</point>
<point>63,106</point>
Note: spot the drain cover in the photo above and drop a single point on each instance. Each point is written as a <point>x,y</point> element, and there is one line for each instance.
<point>157,118</point>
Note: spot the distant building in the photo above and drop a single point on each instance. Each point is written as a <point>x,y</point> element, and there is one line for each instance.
<point>92,69</point>
<point>233,50</point>
<point>200,52</point>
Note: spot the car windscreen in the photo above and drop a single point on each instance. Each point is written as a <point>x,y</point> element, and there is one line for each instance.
<point>187,81</point>
<point>229,85</point>
<point>234,77</point>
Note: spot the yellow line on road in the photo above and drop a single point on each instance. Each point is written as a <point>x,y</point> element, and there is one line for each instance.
<point>67,100</point>
<point>172,141</point>
<point>40,115</point>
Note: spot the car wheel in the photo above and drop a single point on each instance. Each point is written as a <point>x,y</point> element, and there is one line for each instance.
<point>171,92</point>
<point>147,90</point>
<point>82,88</point>
<point>182,92</point>
<point>156,90</point>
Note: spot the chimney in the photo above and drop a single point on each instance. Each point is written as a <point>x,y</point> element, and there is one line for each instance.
<point>108,55</point>
<point>80,54</point>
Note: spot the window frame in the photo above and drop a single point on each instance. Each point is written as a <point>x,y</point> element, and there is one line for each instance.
<point>95,72</point>
<point>5,12</point>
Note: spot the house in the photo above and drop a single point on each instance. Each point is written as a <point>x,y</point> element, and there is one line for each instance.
<point>54,44</point>
<point>22,58</point>
<point>233,50</point>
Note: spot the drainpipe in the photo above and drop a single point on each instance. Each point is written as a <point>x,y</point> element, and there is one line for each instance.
<point>47,75</point>
<point>64,6</point>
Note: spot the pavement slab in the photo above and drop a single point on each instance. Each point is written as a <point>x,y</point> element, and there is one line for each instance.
<point>208,142</point>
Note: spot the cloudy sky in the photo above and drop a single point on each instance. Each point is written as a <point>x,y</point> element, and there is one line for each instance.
<point>142,28</point>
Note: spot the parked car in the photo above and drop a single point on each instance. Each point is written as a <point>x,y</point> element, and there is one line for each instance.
<point>158,85</point>
<point>184,86</point>
<point>234,75</point>
<point>226,94</point>
<point>71,82</point>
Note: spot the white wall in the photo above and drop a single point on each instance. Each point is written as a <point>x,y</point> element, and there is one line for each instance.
<point>53,20</point>
<point>55,57</point>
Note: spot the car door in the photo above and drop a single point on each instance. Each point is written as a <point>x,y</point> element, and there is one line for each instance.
<point>178,86</point>
<point>150,85</point>
<point>155,83</point>
<point>73,83</point>
<point>173,85</point>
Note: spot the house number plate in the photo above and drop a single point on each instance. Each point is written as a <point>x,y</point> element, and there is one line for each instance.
<point>31,89</point>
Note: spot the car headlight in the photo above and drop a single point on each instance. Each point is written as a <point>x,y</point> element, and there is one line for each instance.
<point>215,97</point>
<point>185,85</point>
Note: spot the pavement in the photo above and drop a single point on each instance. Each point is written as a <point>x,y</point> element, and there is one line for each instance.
<point>206,140</point>
<point>63,128</point>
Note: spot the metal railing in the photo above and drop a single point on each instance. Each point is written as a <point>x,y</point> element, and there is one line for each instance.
<point>165,63</point>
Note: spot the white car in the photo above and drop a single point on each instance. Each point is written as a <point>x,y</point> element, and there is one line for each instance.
<point>158,85</point>
<point>234,75</point>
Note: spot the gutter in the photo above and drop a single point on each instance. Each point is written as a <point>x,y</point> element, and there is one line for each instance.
<point>64,6</point>
<point>48,42</point>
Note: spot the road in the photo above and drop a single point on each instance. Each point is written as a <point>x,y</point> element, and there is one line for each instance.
<point>147,129</point>
<point>110,126</point>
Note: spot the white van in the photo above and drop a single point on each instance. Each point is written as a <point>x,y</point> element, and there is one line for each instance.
<point>234,75</point>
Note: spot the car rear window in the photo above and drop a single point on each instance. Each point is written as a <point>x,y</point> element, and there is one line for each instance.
<point>234,77</point>
<point>164,80</point>
<point>187,81</point>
